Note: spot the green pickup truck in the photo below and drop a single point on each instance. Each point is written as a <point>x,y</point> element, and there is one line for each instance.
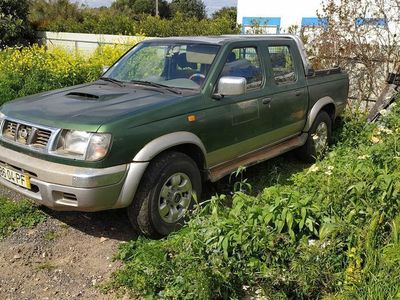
<point>169,115</point>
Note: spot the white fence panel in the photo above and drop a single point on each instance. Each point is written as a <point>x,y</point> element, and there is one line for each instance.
<point>84,42</point>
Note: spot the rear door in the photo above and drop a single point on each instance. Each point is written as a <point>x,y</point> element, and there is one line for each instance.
<point>284,109</point>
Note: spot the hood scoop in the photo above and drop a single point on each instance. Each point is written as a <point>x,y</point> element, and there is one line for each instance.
<point>89,95</point>
<point>81,95</point>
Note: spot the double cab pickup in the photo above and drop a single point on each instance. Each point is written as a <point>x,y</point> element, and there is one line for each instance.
<point>169,115</point>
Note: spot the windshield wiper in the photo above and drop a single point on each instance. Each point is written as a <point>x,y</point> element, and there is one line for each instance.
<point>116,81</point>
<point>157,85</point>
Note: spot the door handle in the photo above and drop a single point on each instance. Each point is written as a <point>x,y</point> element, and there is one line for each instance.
<point>297,94</point>
<point>266,101</point>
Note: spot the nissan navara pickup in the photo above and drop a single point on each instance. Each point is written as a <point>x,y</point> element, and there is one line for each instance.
<point>169,115</point>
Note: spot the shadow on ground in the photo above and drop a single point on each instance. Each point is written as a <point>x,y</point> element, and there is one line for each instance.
<point>274,171</point>
<point>112,224</point>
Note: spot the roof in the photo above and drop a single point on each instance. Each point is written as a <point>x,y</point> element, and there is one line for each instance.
<point>222,39</point>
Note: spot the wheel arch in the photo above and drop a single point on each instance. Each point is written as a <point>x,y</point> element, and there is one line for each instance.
<point>182,141</point>
<point>324,104</point>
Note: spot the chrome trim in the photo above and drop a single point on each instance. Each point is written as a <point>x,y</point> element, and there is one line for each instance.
<point>50,143</point>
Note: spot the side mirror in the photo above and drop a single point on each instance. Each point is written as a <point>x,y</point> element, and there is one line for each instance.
<point>231,86</point>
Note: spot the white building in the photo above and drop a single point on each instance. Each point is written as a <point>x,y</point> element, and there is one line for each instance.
<point>277,16</point>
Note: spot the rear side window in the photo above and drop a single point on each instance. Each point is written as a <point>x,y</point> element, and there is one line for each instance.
<point>244,62</point>
<point>282,63</point>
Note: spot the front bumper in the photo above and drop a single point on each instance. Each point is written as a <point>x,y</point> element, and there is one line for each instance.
<point>70,188</point>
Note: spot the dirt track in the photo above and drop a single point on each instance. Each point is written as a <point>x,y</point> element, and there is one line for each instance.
<point>63,258</point>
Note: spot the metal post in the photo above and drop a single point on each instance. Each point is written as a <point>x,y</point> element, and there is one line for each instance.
<point>157,13</point>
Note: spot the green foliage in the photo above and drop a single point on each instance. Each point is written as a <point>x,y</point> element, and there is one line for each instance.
<point>229,13</point>
<point>14,215</point>
<point>142,6</point>
<point>14,26</point>
<point>34,69</point>
<point>181,26</point>
<point>44,12</point>
<point>189,8</point>
<point>332,231</point>
<point>131,17</point>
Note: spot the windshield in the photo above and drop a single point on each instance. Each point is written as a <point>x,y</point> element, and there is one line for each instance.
<point>177,65</point>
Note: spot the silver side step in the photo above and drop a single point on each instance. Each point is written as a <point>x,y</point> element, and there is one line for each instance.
<point>256,157</point>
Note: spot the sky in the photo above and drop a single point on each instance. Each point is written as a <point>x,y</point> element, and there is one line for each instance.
<point>212,5</point>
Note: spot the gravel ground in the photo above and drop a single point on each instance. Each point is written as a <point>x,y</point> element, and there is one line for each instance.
<point>62,258</point>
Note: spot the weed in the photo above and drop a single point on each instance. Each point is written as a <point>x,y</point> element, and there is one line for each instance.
<point>50,236</point>
<point>45,266</point>
<point>14,215</point>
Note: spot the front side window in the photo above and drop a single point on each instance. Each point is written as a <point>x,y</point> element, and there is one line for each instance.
<point>282,62</point>
<point>244,62</point>
<point>172,64</point>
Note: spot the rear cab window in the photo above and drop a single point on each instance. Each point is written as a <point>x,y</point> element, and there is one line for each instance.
<point>282,63</point>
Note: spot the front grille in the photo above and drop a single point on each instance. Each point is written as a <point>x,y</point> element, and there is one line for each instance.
<point>10,130</point>
<point>41,138</point>
<point>26,134</point>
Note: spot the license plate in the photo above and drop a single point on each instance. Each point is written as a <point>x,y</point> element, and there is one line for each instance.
<point>15,177</point>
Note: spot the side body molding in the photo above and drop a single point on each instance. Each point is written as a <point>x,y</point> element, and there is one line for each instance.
<point>158,145</point>
<point>316,109</point>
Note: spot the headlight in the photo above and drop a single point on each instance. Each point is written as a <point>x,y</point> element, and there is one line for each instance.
<point>83,145</point>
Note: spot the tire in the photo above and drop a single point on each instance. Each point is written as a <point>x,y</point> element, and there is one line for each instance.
<point>318,140</point>
<point>165,195</point>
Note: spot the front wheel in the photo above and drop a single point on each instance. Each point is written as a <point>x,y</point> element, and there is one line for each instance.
<point>319,138</point>
<point>165,195</point>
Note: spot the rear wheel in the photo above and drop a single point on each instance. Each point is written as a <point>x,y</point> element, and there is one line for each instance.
<point>165,194</point>
<point>319,138</point>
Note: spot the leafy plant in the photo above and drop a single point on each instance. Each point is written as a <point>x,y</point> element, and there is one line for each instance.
<point>14,215</point>
<point>14,26</point>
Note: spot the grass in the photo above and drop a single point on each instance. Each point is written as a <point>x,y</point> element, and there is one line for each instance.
<point>45,266</point>
<point>50,236</point>
<point>14,215</point>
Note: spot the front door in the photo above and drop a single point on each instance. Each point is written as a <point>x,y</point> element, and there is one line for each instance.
<point>234,122</point>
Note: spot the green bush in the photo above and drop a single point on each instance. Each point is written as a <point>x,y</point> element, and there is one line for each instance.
<point>34,69</point>
<point>113,21</point>
<point>332,231</point>
<point>14,25</point>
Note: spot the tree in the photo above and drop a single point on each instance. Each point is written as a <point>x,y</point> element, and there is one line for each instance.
<point>143,7</point>
<point>363,37</point>
<point>229,13</point>
<point>43,12</point>
<point>123,5</point>
<point>14,25</point>
<point>189,8</point>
